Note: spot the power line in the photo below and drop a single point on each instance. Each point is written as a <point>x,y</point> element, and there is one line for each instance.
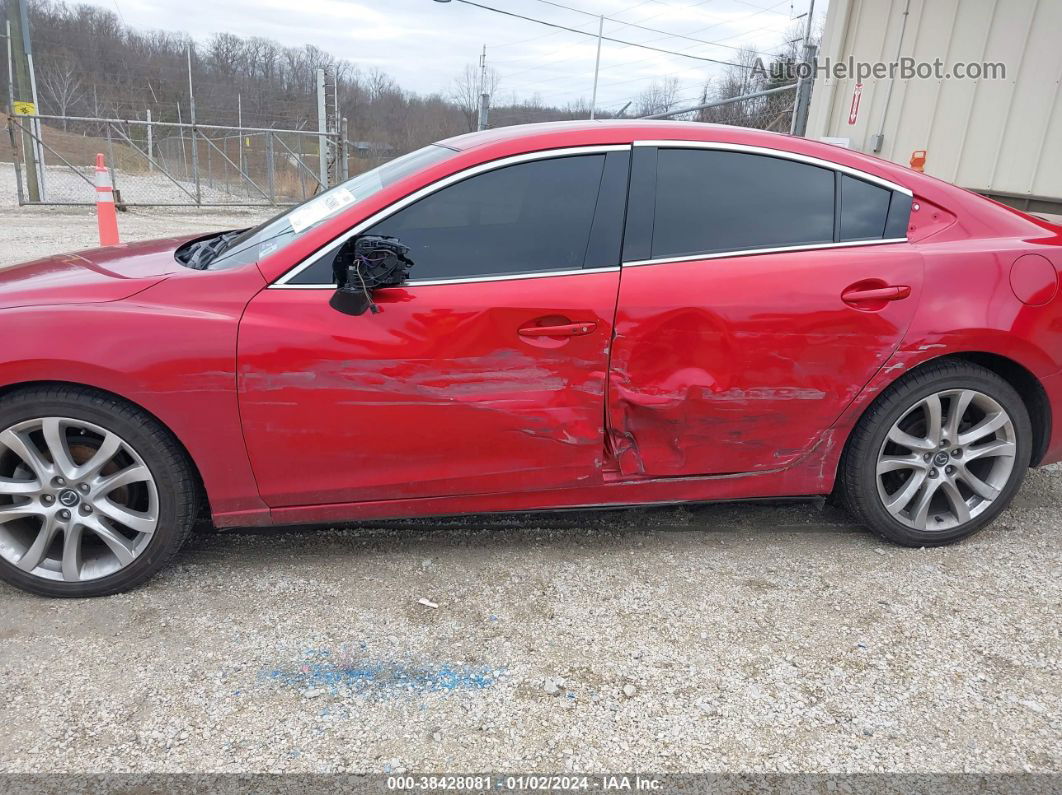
<point>605,38</point>
<point>642,27</point>
<point>708,27</point>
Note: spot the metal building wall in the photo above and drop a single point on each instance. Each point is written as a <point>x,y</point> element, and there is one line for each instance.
<point>999,137</point>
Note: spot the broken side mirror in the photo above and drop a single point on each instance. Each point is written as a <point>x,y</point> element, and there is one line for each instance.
<point>364,264</point>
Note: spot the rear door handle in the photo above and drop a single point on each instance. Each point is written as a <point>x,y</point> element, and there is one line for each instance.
<point>896,292</point>
<point>565,330</point>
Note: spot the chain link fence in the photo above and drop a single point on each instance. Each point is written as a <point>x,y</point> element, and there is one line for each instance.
<point>178,164</point>
<point>771,109</point>
<point>174,164</point>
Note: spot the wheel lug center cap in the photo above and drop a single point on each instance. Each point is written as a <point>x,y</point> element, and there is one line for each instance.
<point>69,498</point>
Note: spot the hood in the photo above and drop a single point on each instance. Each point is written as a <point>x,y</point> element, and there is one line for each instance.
<point>89,277</point>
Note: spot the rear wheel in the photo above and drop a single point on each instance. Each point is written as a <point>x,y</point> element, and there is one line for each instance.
<point>95,496</point>
<point>939,456</point>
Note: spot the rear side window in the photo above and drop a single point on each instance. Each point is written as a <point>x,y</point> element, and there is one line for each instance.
<point>899,216</point>
<point>864,209</point>
<point>714,201</point>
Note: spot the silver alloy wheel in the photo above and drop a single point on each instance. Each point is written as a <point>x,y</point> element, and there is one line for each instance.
<point>946,460</point>
<point>77,502</point>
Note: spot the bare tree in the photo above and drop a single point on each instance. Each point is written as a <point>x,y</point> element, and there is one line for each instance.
<point>62,84</point>
<point>751,75</point>
<point>380,85</point>
<point>659,97</point>
<point>466,90</point>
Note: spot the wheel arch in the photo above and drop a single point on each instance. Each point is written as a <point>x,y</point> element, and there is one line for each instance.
<point>1023,380</point>
<point>8,389</point>
<point>1028,387</point>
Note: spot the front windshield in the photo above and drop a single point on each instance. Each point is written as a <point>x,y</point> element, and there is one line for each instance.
<point>281,230</point>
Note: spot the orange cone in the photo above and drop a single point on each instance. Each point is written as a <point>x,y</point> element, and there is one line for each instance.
<point>106,217</point>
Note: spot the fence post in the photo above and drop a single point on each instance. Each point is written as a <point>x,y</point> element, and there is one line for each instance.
<point>195,142</point>
<point>344,167</point>
<point>110,158</point>
<point>269,168</point>
<point>15,161</point>
<point>150,143</point>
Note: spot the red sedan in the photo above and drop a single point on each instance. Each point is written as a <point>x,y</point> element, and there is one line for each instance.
<point>597,314</point>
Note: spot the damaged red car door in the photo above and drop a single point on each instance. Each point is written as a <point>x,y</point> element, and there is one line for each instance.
<point>484,373</point>
<point>760,293</point>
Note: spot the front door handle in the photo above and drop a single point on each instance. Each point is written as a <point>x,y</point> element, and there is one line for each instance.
<point>873,295</point>
<point>564,330</point>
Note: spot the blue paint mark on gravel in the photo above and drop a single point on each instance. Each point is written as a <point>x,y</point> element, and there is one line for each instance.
<point>344,671</point>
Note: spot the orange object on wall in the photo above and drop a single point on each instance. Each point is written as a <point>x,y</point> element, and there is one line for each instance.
<point>918,160</point>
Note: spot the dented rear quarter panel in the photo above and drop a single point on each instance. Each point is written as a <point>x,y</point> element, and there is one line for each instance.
<point>968,307</point>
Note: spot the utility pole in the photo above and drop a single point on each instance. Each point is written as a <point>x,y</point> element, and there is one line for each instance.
<point>484,97</point>
<point>23,87</point>
<point>322,131</point>
<point>597,64</point>
<point>799,123</point>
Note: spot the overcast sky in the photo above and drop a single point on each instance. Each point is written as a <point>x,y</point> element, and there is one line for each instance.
<point>423,44</point>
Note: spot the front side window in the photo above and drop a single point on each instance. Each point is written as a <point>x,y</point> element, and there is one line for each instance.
<point>281,230</point>
<point>710,201</point>
<point>523,218</point>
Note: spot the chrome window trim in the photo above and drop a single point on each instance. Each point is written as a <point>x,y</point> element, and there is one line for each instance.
<point>782,153</point>
<point>427,190</point>
<point>748,252</point>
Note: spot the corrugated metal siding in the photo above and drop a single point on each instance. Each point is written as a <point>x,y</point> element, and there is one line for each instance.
<point>995,136</point>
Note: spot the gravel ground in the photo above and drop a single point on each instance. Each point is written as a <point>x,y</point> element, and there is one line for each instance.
<point>712,638</point>
<point>715,638</point>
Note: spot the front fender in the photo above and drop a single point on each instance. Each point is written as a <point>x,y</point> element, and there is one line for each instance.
<point>171,350</point>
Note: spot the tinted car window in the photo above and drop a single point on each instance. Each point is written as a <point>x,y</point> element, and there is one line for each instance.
<point>899,215</point>
<point>292,223</point>
<point>526,217</point>
<point>709,201</point>
<point>864,209</point>
<point>522,218</point>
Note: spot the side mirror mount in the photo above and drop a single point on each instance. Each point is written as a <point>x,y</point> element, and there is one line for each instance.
<point>363,264</point>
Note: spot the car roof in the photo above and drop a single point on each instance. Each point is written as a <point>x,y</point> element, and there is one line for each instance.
<point>550,135</point>
<point>621,130</point>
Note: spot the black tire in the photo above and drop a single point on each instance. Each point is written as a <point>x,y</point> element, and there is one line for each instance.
<point>858,485</point>
<point>177,484</point>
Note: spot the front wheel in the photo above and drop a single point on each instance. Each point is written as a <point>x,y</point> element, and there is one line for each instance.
<point>95,495</point>
<point>939,456</point>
